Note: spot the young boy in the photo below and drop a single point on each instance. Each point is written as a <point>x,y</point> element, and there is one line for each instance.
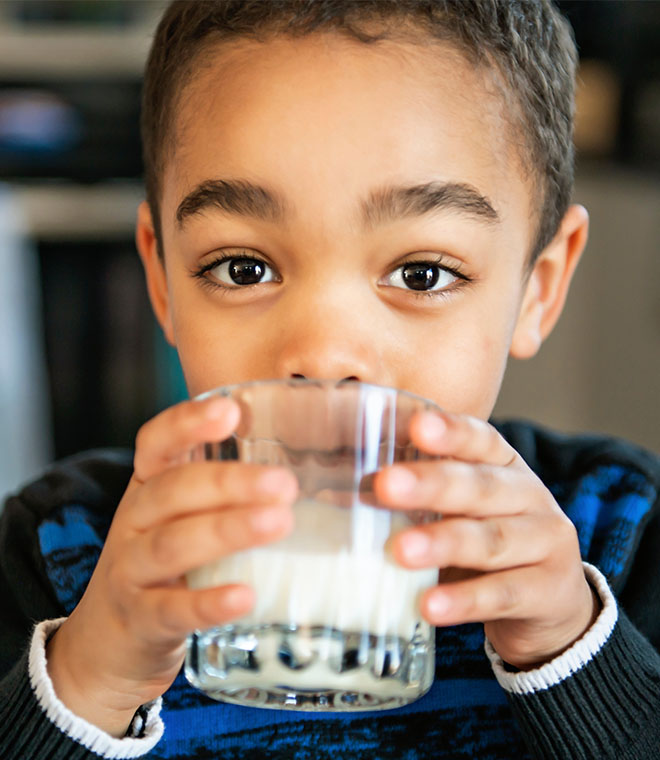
<point>354,189</point>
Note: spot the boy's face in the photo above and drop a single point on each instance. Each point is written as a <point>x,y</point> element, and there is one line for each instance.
<point>325,126</point>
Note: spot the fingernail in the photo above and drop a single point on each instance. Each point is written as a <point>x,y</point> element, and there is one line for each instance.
<point>236,598</point>
<point>438,604</point>
<point>415,545</point>
<point>268,520</point>
<point>216,408</point>
<point>274,482</point>
<point>433,428</point>
<point>400,481</point>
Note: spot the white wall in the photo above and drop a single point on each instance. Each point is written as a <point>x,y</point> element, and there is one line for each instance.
<point>25,430</point>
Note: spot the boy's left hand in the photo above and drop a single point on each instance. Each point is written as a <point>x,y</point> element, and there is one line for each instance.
<point>509,557</point>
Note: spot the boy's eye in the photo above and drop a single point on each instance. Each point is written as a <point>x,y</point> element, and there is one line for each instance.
<point>237,271</point>
<point>421,276</point>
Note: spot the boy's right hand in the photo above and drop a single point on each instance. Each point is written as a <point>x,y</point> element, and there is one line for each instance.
<point>124,643</point>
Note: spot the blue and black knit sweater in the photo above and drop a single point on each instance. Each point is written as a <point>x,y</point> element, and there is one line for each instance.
<point>51,535</point>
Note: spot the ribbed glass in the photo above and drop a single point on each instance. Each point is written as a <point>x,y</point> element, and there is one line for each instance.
<point>336,625</point>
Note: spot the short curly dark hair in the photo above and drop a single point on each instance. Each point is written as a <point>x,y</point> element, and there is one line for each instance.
<point>527,41</point>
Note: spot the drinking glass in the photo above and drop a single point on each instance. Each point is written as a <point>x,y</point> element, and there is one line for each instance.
<point>336,624</point>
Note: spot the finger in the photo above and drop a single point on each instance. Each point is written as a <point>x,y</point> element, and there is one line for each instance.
<point>451,487</point>
<point>172,549</point>
<point>488,544</point>
<point>169,615</point>
<point>205,486</point>
<point>461,437</point>
<point>167,439</point>
<point>505,595</point>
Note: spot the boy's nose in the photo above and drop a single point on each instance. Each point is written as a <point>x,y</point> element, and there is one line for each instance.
<point>321,361</point>
<point>329,343</point>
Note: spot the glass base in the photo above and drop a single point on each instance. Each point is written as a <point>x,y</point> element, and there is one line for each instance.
<point>313,668</point>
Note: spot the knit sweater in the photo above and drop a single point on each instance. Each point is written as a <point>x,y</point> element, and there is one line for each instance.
<point>598,700</point>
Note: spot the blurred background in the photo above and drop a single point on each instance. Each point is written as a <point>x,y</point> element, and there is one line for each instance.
<point>82,363</point>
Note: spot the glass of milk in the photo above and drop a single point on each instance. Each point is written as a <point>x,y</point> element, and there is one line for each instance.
<point>336,625</point>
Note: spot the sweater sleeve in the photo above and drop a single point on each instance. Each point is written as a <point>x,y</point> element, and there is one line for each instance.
<point>35,724</point>
<point>599,699</point>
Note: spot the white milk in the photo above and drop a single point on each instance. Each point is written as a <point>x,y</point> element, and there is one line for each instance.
<point>320,576</point>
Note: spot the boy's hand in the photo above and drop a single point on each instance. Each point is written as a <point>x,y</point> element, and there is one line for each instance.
<point>509,556</point>
<point>124,643</point>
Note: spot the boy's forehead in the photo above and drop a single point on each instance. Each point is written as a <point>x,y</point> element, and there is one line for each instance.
<point>326,111</point>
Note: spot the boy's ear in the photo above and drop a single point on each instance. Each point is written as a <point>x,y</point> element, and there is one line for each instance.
<point>154,269</point>
<point>547,286</point>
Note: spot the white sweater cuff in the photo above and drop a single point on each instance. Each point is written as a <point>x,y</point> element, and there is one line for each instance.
<point>574,658</point>
<point>78,728</point>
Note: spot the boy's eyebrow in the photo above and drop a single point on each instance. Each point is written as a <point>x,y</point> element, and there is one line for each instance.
<point>396,202</point>
<point>244,198</point>
<point>234,196</point>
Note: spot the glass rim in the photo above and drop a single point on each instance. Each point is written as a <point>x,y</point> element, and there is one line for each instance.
<point>292,382</point>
